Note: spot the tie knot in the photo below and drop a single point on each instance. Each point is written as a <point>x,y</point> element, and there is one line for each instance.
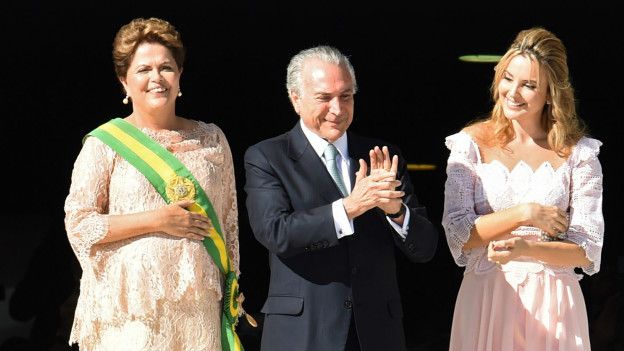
<point>330,152</point>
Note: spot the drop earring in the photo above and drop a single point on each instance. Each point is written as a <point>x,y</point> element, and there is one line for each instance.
<point>125,100</point>
<point>179,93</point>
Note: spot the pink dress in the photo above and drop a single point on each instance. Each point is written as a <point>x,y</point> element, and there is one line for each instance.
<point>154,291</point>
<point>525,304</point>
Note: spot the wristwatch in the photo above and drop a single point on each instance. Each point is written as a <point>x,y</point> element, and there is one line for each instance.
<point>398,214</point>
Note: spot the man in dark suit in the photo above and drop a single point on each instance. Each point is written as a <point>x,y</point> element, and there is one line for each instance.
<point>331,232</point>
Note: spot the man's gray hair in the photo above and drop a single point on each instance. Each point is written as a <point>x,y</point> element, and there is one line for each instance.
<point>324,53</point>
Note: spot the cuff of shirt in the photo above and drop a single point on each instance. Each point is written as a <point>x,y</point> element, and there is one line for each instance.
<point>343,225</point>
<point>401,230</point>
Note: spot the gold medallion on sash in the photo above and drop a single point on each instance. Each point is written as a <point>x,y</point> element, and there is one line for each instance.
<point>174,182</point>
<point>180,188</point>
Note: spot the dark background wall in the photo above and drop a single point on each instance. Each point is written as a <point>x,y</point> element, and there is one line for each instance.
<point>57,83</point>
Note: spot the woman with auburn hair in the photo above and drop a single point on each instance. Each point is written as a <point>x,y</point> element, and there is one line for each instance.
<point>152,214</point>
<point>523,208</point>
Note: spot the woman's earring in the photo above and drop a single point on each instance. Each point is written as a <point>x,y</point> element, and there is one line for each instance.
<point>179,93</point>
<point>125,100</point>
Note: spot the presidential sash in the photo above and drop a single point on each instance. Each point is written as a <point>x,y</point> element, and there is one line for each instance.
<point>174,182</point>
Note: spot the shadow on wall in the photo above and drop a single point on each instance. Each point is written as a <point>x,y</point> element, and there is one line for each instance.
<point>46,295</point>
<point>605,307</point>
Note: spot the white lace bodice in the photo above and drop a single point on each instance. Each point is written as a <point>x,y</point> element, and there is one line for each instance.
<point>137,278</point>
<point>474,188</point>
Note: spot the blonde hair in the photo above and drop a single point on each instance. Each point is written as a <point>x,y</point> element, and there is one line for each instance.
<point>139,30</point>
<point>559,118</point>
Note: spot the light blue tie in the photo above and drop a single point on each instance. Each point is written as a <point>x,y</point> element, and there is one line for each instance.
<point>330,160</point>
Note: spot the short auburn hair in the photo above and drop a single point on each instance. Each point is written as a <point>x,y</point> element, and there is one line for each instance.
<point>140,30</point>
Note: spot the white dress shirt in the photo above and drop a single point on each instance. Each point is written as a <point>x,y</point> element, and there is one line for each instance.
<point>343,225</point>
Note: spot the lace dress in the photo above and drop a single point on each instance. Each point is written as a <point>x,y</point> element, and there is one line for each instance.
<point>154,291</point>
<point>524,304</point>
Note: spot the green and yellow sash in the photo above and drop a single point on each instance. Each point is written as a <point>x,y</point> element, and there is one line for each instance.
<point>174,182</point>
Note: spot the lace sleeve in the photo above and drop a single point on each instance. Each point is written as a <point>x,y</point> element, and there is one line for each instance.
<point>230,206</point>
<point>586,220</point>
<point>459,215</point>
<point>86,205</point>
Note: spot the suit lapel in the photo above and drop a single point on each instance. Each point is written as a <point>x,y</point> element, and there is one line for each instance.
<point>300,150</point>
<point>354,165</point>
<point>357,150</point>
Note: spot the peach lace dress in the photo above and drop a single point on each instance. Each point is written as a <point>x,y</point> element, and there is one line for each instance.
<point>524,304</point>
<point>154,291</point>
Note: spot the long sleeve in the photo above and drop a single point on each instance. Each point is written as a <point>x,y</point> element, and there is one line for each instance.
<point>153,278</point>
<point>229,205</point>
<point>586,221</point>
<point>459,214</point>
<point>420,240</point>
<point>86,205</point>
<point>281,228</point>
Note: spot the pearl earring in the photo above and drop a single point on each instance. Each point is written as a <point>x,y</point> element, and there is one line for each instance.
<point>125,100</point>
<point>179,93</point>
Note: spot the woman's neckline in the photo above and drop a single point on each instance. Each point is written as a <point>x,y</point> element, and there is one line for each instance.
<point>518,164</point>
<point>187,126</point>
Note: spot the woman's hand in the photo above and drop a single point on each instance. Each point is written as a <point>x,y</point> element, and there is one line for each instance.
<point>550,219</point>
<point>503,251</point>
<point>175,219</point>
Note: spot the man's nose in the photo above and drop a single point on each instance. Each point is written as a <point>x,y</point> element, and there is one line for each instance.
<point>335,106</point>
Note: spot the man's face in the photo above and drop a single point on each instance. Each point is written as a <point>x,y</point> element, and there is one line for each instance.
<point>325,102</point>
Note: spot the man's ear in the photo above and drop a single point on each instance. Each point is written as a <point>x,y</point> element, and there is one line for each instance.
<point>295,99</point>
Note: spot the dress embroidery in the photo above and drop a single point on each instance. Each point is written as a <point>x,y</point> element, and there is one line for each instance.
<point>164,288</point>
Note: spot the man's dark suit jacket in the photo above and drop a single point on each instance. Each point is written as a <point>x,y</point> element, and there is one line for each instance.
<point>317,280</point>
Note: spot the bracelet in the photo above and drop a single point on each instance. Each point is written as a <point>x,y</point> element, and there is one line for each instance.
<point>557,237</point>
<point>398,214</point>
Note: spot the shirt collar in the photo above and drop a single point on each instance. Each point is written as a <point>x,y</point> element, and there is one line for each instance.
<point>319,144</point>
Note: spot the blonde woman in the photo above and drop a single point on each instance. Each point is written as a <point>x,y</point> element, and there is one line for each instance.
<point>523,208</point>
